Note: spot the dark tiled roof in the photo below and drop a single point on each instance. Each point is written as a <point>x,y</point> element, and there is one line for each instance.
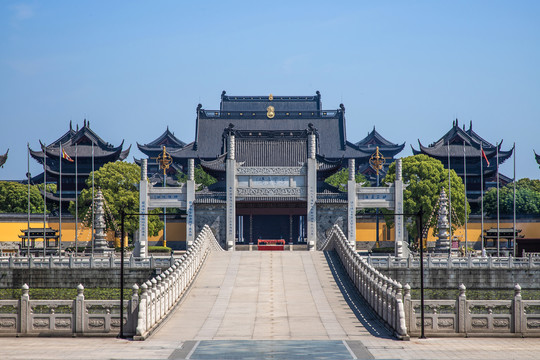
<point>331,198</point>
<point>280,103</point>
<point>459,143</point>
<point>80,142</point>
<point>210,198</point>
<point>271,199</point>
<point>271,152</point>
<point>166,139</point>
<point>3,158</point>
<point>374,139</point>
<point>251,115</point>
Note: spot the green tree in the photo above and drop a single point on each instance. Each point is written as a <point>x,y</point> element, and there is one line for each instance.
<point>202,178</point>
<point>528,184</point>
<point>119,183</point>
<point>527,199</point>
<point>424,177</point>
<point>340,179</point>
<point>14,198</point>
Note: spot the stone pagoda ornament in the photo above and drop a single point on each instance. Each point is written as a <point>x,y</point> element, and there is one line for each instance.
<point>442,245</point>
<point>100,238</point>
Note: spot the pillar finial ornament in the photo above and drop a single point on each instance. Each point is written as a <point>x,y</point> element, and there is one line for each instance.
<point>377,161</point>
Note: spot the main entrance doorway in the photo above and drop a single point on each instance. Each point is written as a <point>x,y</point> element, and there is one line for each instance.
<point>269,221</point>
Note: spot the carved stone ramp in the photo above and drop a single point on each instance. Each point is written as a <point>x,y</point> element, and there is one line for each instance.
<point>271,296</point>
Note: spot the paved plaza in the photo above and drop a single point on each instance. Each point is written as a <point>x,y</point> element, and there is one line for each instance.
<point>270,305</point>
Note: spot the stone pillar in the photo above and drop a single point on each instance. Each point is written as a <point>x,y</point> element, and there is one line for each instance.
<point>517,310</point>
<point>100,238</point>
<point>231,194</point>
<point>141,243</point>
<point>79,310</point>
<point>24,311</point>
<point>312,193</point>
<point>190,209</point>
<point>462,309</point>
<point>442,245</point>
<point>398,203</point>
<point>351,200</point>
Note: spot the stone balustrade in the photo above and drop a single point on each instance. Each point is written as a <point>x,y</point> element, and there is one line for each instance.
<point>161,293</point>
<point>102,317</point>
<point>382,293</point>
<point>66,317</point>
<point>463,317</point>
<point>469,262</point>
<point>84,262</point>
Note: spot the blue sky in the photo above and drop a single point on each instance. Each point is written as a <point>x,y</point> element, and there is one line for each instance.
<point>134,67</point>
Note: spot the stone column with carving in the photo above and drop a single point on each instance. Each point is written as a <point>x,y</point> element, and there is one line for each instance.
<point>351,200</point>
<point>100,237</point>
<point>442,245</point>
<point>398,204</point>
<point>231,192</point>
<point>190,209</point>
<point>141,241</point>
<point>312,190</point>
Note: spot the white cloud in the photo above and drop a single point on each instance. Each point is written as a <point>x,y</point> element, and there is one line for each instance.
<point>22,11</point>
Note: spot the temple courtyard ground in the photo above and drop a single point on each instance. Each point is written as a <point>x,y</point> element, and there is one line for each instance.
<point>270,305</point>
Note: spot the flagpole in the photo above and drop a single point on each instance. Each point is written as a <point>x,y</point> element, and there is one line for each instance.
<point>92,199</point>
<point>482,195</point>
<point>498,210</point>
<point>465,189</point>
<point>44,198</point>
<point>449,193</point>
<point>514,242</point>
<point>28,179</point>
<point>76,201</point>
<point>60,204</point>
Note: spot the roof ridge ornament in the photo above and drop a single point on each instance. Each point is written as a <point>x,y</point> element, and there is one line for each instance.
<point>271,97</point>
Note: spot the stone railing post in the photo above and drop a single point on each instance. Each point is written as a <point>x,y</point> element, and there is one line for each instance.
<point>407,305</point>
<point>517,310</point>
<point>24,309</point>
<point>400,316</point>
<point>133,309</point>
<point>168,289</point>
<point>79,310</point>
<point>384,299</point>
<point>142,316</point>
<point>462,309</point>
<point>154,300</point>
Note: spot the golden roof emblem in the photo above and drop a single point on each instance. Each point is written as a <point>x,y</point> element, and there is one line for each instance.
<point>270,112</point>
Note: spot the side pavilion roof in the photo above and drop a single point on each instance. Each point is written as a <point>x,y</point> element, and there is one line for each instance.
<point>80,142</point>
<point>166,139</point>
<point>3,158</point>
<point>374,139</point>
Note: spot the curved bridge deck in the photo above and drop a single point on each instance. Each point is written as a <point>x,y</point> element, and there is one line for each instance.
<point>271,296</point>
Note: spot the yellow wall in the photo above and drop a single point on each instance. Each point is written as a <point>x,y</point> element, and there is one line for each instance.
<point>10,231</point>
<point>366,231</point>
<point>175,232</point>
